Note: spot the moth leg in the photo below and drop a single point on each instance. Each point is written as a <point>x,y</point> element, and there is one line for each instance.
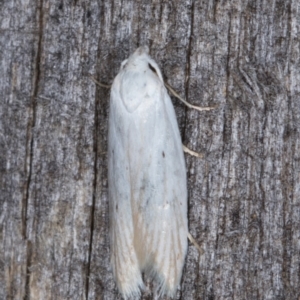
<point>191,152</point>
<point>193,241</point>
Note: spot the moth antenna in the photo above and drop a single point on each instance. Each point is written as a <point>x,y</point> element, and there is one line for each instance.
<point>107,86</point>
<point>199,108</point>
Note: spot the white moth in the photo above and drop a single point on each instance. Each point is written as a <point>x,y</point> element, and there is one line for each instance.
<point>147,180</point>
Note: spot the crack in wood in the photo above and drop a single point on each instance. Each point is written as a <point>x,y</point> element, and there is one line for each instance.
<point>88,271</point>
<point>29,160</point>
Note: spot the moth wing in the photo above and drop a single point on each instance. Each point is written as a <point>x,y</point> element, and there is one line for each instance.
<point>147,180</point>
<point>158,183</point>
<point>124,260</point>
<point>159,191</point>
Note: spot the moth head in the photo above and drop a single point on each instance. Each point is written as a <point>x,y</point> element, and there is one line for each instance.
<point>140,59</point>
<point>142,50</point>
<point>137,54</point>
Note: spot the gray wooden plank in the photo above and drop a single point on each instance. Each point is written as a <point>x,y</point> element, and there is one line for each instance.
<point>18,44</point>
<point>244,201</point>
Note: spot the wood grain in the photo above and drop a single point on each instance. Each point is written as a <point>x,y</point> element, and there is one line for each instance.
<point>244,195</point>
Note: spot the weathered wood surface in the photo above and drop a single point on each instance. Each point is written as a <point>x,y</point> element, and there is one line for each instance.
<point>244,196</point>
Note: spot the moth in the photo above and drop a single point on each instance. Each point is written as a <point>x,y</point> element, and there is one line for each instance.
<point>147,180</point>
